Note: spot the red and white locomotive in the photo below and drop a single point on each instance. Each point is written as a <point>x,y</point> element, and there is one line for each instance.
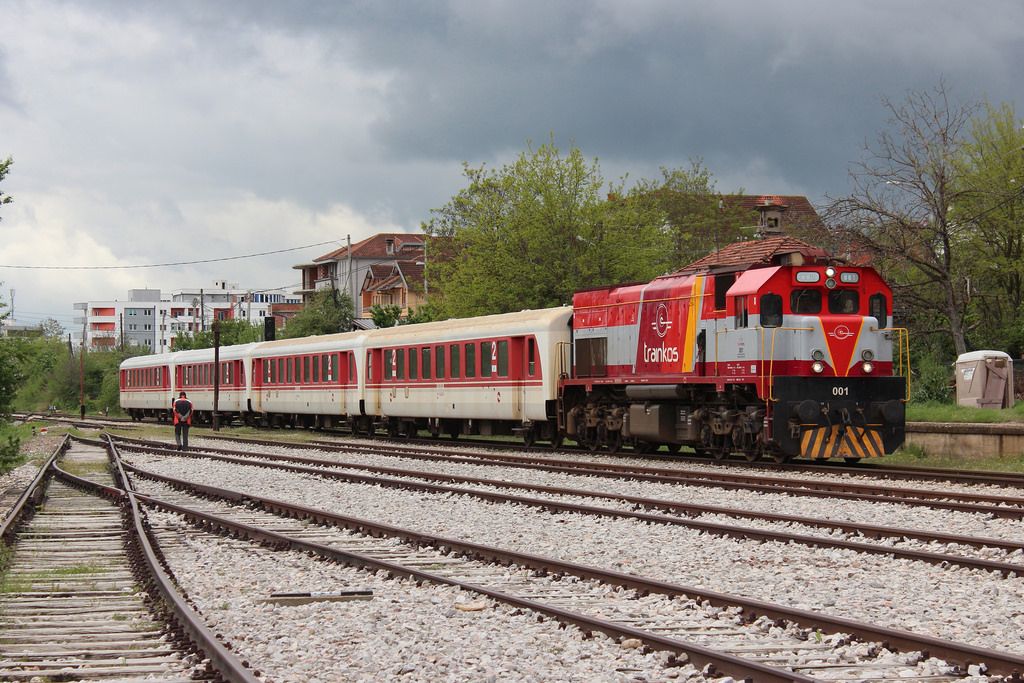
<point>766,347</point>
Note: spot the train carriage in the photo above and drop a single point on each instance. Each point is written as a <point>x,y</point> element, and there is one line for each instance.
<point>146,383</point>
<point>311,381</point>
<point>193,373</point>
<point>486,375</point>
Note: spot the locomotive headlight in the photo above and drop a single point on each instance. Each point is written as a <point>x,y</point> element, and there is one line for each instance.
<point>867,367</point>
<point>830,272</point>
<point>818,367</point>
<point>818,354</point>
<point>830,283</point>
<point>867,354</point>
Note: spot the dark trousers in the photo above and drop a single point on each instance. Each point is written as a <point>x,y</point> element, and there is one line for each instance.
<point>181,434</point>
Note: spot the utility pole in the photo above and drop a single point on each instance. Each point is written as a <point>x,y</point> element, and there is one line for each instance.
<point>216,375</point>
<point>351,277</point>
<point>202,311</point>
<point>121,327</point>
<point>81,373</point>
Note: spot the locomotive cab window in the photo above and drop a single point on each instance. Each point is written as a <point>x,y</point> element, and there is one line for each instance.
<point>843,301</point>
<point>741,312</point>
<point>878,309</point>
<point>771,310</point>
<point>807,301</point>
<point>722,285</point>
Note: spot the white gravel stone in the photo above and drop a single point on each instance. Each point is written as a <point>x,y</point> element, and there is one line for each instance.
<point>959,604</point>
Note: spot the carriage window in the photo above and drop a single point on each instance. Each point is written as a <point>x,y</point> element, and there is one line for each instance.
<point>159,377</point>
<point>389,357</point>
<point>503,359</point>
<point>456,361</point>
<point>327,371</point>
<point>878,309</point>
<point>741,312</point>
<point>486,351</point>
<point>413,364</point>
<point>843,301</point>
<point>805,301</point>
<point>291,370</point>
<point>771,310</point>
<point>352,367</point>
<point>426,362</point>
<point>316,368</point>
<point>470,360</point>
<point>400,364</point>
<point>297,362</point>
<point>531,356</point>
<point>439,361</point>
<point>305,369</point>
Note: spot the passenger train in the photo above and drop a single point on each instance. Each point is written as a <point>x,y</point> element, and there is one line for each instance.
<point>764,348</point>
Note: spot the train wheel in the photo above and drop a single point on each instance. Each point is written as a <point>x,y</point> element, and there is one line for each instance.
<point>393,429</point>
<point>781,457</point>
<point>557,440</point>
<point>529,436</point>
<point>852,460</point>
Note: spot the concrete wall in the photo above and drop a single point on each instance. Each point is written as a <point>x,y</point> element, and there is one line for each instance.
<point>967,440</point>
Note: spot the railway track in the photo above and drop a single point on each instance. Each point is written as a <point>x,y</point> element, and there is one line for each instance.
<point>72,607</point>
<point>746,628</point>
<point>1008,506</point>
<point>555,499</point>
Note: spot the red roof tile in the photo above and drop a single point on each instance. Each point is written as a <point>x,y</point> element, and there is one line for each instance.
<point>404,245</point>
<point>746,254</point>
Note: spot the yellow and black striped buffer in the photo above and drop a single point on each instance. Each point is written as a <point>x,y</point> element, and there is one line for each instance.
<point>839,442</point>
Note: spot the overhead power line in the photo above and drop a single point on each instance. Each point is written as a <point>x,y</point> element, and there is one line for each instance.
<point>166,265</point>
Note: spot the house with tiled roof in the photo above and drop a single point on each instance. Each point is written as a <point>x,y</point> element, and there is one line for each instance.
<point>768,251</point>
<point>401,285</point>
<point>349,268</point>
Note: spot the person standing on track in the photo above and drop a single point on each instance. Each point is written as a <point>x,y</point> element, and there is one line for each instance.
<point>182,409</point>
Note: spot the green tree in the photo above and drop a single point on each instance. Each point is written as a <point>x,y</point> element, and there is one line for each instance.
<point>231,332</point>
<point>991,172</point>
<point>387,315</point>
<point>901,209</point>
<point>531,233</point>
<point>698,219</point>
<point>11,373</point>
<point>326,312</point>
<point>5,167</point>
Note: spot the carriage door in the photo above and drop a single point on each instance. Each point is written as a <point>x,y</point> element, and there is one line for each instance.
<point>373,382</point>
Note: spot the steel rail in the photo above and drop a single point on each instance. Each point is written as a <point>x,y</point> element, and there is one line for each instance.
<point>1003,663</point>
<point>743,533</point>
<point>227,665</point>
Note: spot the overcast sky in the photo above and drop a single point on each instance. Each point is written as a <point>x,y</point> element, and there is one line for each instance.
<point>154,132</point>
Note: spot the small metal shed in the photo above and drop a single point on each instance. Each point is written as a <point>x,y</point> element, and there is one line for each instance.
<point>984,379</point>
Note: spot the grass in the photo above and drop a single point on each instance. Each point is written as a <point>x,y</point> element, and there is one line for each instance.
<point>948,412</point>
<point>24,583</point>
<point>915,456</point>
